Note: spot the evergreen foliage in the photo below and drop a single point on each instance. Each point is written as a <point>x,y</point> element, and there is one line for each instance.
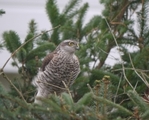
<point>2,12</point>
<point>103,92</point>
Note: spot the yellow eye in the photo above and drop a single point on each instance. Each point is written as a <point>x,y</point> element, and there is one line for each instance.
<point>71,43</point>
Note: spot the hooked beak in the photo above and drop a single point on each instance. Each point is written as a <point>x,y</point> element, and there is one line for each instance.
<point>77,46</point>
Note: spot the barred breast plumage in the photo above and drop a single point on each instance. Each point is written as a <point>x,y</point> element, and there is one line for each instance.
<point>60,66</point>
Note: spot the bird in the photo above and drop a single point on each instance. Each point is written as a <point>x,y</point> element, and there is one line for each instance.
<point>59,69</point>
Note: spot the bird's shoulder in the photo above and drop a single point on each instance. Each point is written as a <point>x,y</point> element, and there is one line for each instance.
<point>47,59</point>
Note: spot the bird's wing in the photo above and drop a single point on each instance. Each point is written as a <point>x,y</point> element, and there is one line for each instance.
<point>46,60</point>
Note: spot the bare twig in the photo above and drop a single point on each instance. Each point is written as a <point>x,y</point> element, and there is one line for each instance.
<point>5,76</point>
<point>2,69</point>
<point>147,84</point>
<point>123,68</point>
<point>117,89</point>
<point>136,85</point>
<point>25,44</point>
<point>67,89</point>
<point>13,100</point>
<point>88,85</point>
<point>46,83</point>
<point>139,70</point>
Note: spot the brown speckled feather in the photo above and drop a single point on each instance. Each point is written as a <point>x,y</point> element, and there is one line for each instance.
<point>61,65</point>
<point>46,60</point>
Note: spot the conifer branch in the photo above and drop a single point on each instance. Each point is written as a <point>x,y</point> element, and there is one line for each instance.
<point>105,101</point>
<point>137,100</point>
<point>70,6</point>
<point>2,69</point>
<point>26,43</point>
<point>91,90</point>
<point>118,17</point>
<point>67,90</point>
<point>123,68</point>
<point>117,89</point>
<point>6,77</point>
<point>2,12</point>
<point>138,70</point>
<point>146,83</point>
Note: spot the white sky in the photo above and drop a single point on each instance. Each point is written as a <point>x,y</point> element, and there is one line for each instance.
<point>20,12</point>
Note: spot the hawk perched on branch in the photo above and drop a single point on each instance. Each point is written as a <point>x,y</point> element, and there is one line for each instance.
<point>59,67</point>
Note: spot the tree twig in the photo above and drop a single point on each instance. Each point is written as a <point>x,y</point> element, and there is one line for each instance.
<point>139,70</point>
<point>2,69</point>
<point>146,83</point>
<point>25,44</point>
<point>117,89</point>
<point>123,68</point>
<point>5,76</point>
<point>67,89</point>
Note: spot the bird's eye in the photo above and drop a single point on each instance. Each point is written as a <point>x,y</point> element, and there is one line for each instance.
<point>71,43</point>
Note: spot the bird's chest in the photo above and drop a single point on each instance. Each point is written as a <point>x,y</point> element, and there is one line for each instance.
<point>63,68</point>
<point>68,65</point>
<point>65,65</point>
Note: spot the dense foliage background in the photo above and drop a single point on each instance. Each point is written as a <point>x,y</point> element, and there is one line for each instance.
<point>118,92</point>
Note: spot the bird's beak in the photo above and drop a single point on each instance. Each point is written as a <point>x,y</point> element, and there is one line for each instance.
<point>77,46</point>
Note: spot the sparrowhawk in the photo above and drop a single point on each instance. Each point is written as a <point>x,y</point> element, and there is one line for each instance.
<point>59,67</point>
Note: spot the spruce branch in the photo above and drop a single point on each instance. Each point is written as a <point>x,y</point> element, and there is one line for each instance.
<point>53,12</point>
<point>2,69</point>
<point>32,27</point>
<point>145,81</point>
<point>91,90</point>
<point>122,10</point>
<point>122,63</point>
<point>108,102</point>
<point>7,78</point>
<point>138,100</point>
<point>11,40</point>
<point>26,43</point>
<point>9,114</point>
<point>70,6</point>
<point>67,89</point>
<point>138,70</point>
<point>2,12</point>
<point>97,91</point>
<point>145,115</point>
<point>117,89</point>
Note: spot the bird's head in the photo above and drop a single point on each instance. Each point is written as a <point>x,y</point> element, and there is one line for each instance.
<point>69,46</point>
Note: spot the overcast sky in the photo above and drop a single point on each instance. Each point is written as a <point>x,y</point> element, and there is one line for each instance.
<point>20,12</point>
